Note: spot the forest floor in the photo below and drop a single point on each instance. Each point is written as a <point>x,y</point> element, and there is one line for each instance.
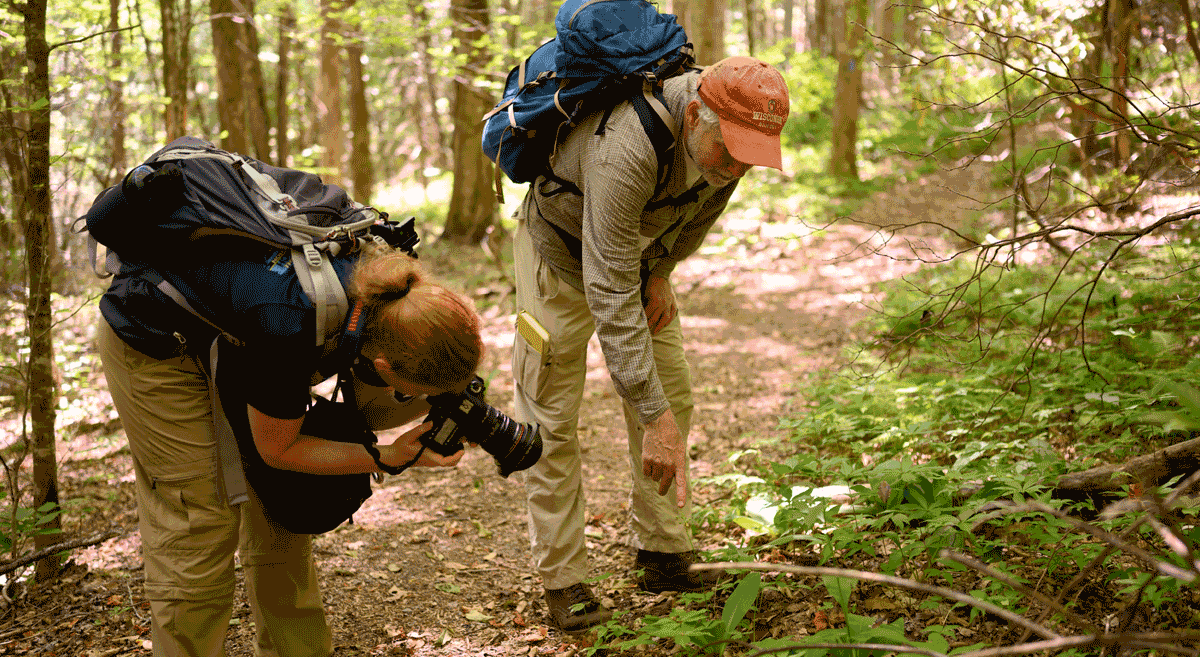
<point>437,561</point>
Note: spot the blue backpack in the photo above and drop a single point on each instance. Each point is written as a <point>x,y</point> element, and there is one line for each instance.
<point>605,52</point>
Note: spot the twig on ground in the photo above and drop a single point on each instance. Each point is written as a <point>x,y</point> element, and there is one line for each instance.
<point>59,547</point>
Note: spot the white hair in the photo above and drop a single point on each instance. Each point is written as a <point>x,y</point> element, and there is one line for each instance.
<point>708,117</point>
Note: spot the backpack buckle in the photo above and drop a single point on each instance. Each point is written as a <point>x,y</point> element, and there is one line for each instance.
<point>312,256</point>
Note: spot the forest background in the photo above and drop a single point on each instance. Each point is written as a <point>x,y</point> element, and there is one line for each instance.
<point>1015,438</point>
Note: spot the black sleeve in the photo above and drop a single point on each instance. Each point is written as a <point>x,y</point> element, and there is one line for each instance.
<point>274,381</point>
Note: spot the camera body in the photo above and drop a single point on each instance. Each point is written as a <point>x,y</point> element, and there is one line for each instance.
<point>466,417</point>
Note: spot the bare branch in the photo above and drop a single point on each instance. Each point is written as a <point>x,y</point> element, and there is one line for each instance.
<point>59,547</point>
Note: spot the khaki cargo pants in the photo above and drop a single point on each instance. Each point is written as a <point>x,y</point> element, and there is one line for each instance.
<point>189,534</point>
<point>549,390</point>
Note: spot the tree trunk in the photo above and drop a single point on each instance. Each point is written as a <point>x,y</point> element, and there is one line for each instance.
<point>1121,18</point>
<point>14,125</point>
<point>329,94</point>
<point>708,35</point>
<point>818,26</point>
<point>472,201</point>
<point>751,20</point>
<point>39,246</point>
<point>789,32</point>
<point>362,171</point>
<point>176,32</point>
<point>231,102</point>
<point>287,25</point>
<point>682,16</point>
<point>435,156</point>
<point>254,87</point>
<point>116,99</point>
<point>843,151</point>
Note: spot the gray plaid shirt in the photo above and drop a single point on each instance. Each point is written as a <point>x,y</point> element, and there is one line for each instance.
<point>616,172</point>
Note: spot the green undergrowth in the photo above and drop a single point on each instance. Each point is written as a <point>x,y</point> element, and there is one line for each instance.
<point>935,456</point>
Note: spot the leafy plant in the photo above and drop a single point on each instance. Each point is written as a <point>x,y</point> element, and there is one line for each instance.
<point>24,523</point>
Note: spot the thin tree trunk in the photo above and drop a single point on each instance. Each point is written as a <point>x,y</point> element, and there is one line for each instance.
<point>39,241</point>
<point>435,156</point>
<point>116,98</point>
<point>362,171</point>
<point>1121,17</point>
<point>818,26</point>
<point>843,157</point>
<point>472,201</point>
<point>683,17</point>
<point>14,125</point>
<point>254,88</point>
<point>329,96</point>
<point>1193,43</point>
<point>708,35</point>
<point>789,31</point>
<point>231,102</point>
<point>175,34</point>
<point>751,20</point>
<point>287,25</point>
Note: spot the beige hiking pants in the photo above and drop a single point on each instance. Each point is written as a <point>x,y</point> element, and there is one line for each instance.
<point>549,390</point>
<point>189,533</point>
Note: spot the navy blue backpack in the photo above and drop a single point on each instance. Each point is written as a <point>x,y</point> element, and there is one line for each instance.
<point>605,52</point>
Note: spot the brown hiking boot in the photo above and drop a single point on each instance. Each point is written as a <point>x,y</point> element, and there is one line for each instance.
<point>575,609</point>
<point>664,571</point>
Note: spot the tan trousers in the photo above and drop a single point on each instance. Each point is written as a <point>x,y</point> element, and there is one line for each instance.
<point>189,533</point>
<point>549,390</point>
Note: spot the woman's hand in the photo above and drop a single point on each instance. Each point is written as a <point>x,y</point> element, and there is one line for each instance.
<point>404,448</point>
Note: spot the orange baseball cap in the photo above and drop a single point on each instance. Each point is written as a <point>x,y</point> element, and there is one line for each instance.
<point>751,100</point>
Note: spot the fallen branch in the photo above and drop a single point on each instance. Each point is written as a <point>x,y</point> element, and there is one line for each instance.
<point>58,547</point>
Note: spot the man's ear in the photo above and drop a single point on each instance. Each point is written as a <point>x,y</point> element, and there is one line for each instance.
<point>381,364</point>
<point>691,115</point>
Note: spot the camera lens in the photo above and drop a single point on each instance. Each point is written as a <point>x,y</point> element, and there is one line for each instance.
<point>467,417</point>
<point>514,445</point>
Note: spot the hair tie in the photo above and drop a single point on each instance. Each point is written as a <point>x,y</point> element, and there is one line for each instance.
<point>395,295</point>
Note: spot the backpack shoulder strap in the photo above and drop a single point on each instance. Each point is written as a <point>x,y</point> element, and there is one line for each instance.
<point>651,108</point>
<point>321,284</point>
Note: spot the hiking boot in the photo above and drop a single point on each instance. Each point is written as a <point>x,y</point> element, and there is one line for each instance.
<point>575,609</point>
<point>665,571</point>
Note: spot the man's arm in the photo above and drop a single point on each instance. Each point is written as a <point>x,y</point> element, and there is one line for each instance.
<point>613,202</point>
<point>691,235</point>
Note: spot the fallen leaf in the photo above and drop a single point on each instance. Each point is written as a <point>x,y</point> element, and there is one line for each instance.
<point>820,620</point>
<point>881,604</point>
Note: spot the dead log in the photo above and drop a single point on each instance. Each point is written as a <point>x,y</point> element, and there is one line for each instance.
<point>1180,459</point>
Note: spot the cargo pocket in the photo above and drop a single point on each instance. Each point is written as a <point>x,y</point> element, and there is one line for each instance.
<point>188,550</point>
<point>532,369</point>
<point>185,507</point>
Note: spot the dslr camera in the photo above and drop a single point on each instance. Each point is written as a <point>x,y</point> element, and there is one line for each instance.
<point>466,417</point>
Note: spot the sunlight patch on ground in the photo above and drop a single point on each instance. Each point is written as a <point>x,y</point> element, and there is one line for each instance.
<point>698,322</point>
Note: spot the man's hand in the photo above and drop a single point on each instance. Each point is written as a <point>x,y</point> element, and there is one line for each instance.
<point>660,303</point>
<point>664,456</point>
